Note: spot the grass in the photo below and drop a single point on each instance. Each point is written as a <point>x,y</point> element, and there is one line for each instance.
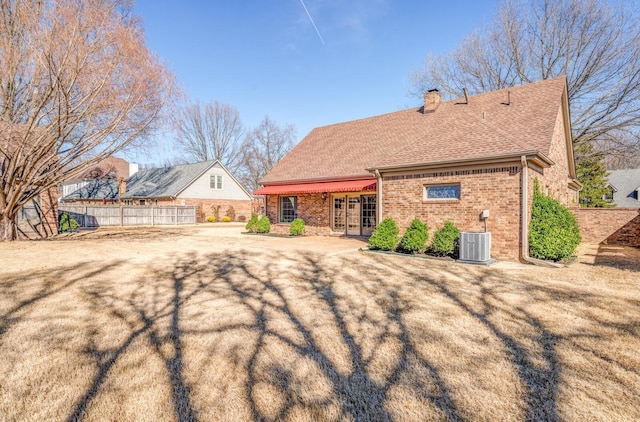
<point>232,332</point>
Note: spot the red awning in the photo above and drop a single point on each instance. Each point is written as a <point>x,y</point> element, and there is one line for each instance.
<point>343,186</point>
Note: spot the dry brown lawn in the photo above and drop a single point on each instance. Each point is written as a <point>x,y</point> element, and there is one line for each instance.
<point>166,324</point>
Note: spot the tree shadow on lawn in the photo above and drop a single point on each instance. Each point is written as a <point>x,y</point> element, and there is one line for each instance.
<point>333,337</point>
<point>24,291</point>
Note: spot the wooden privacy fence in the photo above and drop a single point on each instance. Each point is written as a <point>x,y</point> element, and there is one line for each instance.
<point>105,215</point>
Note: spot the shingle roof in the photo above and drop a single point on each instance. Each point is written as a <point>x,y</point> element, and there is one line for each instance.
<point>96,189</point>
<point>164,182</point>
<point>627,183</point>
<point>484,127</point>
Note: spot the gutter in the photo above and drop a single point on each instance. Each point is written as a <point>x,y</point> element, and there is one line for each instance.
<point>524,216</point>
<point>378,196</point>
<point>534,156</point>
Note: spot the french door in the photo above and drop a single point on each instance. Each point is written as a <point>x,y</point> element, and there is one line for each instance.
<point>354,215</point>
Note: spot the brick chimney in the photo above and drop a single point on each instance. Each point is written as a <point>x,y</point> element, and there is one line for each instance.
<point>122,187</point>
<point>431,101</point>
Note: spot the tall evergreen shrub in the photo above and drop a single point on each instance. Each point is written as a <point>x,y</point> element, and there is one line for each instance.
<point>553,231</point>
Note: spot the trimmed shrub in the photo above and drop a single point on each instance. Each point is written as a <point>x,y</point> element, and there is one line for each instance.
<point>415,238</point>
<point>445,240</point>
<point>66,223</point>
<point>297,227</point>
<point>252,223</point>
<point>263,225</point>
<point>211,219</point>
<point>553,230</point>
<point>226,219</point>
<point>385,236</point>
<point>242,218</point>
<point>231,212</point>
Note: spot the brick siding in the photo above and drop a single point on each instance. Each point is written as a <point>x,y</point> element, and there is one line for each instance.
<point>205,208</point>
<point>495,189</point>
<point>314,210</point>
<point>609,225</point>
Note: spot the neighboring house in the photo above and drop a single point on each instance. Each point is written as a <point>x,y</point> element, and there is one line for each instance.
<point>443,161</point>
<point>111,168</point>
<point>625,188</point>
<point>96,191</point>
<point>207,185</point>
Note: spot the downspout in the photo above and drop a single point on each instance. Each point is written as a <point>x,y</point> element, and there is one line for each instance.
<point>378,196</point>
<point>524,215</point>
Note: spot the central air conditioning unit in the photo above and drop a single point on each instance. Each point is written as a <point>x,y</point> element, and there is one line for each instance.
<point>475,248</point>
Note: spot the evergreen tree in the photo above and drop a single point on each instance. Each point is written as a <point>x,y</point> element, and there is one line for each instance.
<point>593,175</point>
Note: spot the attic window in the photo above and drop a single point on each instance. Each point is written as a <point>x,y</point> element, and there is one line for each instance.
<point>440,192</point>
<point>215,182</point>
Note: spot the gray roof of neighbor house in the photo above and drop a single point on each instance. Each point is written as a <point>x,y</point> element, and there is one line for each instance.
<point>96,189</point>
<point>164,182</point>
<point>499,123</point>
<point>627,183</point>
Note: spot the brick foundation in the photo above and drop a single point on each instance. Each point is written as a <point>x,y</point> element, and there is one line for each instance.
<point>609,225</point>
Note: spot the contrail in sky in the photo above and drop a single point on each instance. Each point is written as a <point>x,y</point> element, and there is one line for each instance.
<point>312,22</point>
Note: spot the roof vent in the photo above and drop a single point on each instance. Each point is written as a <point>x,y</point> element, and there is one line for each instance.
<point>432,100</point>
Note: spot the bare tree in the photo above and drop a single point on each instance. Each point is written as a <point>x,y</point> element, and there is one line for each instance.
<point>596,45</point>
<point>211,132</point>
<point>77,84</point>
<point>263,148</point>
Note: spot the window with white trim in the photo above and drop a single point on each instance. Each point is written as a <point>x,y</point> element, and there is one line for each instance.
<point>439,192</point>
<point>215,182</point>
<point>288,208</point>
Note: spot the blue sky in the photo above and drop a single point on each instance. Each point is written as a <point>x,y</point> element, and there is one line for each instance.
<point>266,58</point>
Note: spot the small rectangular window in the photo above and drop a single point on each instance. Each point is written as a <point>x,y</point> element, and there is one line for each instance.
<point>215,182</point>
<point>288,208</point>
<point>442,192</point>
<point>142,202</point>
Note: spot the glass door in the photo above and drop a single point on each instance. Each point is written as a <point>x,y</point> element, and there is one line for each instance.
<point>353,215</point>
<point>339,217</point>
<point>368,214</point>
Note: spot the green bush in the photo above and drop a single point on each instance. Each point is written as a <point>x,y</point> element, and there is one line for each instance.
<point>385,236</point>
<point>66,223</point>
<point>553,231</point>
<point>211,219</point>
<point>415,238</point>
<point>445,240</point>
<point>297,227</point>
<point>251,225</point>
<point>263,225</point>
<point>226,219</point>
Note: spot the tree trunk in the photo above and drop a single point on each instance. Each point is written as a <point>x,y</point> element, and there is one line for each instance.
<point>8,228</point>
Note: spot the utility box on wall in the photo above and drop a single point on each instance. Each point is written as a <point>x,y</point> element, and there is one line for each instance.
<point>475,248</point>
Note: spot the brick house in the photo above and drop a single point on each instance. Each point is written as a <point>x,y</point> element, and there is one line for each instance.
<point>206,185</point>
<point>446,160</point>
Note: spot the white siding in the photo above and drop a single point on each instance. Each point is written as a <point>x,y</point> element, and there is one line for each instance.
<point>200,189</point>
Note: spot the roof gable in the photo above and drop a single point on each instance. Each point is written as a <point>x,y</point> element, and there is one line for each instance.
<point>508,121</point>
<point>164,182</point>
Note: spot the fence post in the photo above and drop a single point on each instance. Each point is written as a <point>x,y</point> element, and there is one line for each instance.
<point>153,213</point>
<point>121,215</point>
<point>84,217</point>
<point>175,209</point>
